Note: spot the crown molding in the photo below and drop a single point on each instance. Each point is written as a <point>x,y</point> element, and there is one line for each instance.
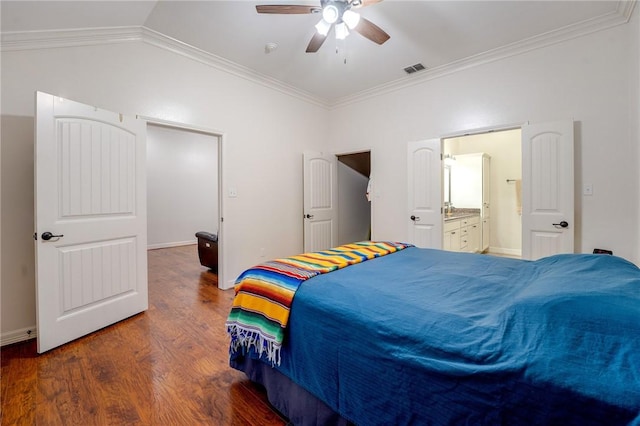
<point>625,8</point>
<point>160,40</point>
<point>29,40</point>
<point>50,39</point>
<point>620,16</point>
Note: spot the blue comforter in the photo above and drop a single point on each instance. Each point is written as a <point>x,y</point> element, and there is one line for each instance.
<point>432,337</point>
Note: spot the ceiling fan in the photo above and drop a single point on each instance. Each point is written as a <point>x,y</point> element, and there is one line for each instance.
<point>336,13</point>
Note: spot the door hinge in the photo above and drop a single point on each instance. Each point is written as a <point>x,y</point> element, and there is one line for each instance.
<point>35,236</point>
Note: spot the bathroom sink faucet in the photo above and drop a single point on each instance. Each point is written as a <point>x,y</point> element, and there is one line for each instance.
<point>448,208</point>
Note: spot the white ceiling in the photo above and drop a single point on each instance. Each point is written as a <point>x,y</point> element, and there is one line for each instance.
<point>434,33</point>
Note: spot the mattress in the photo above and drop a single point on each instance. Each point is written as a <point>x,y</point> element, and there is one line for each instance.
<point>431,337</point>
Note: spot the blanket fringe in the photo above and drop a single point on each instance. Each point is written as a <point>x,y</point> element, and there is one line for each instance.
<point>264,294</point>
<point>244,339</point>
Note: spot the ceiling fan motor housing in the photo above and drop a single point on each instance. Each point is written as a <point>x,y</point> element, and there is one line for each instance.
<point>332,10</point>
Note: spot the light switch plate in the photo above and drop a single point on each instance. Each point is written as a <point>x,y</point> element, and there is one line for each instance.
<point>587,189</point>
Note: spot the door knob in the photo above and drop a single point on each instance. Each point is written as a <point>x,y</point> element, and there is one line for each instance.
<point>309,216</point>
<point>563,224</point>
<point>415,218</point>
<point>48,235</point>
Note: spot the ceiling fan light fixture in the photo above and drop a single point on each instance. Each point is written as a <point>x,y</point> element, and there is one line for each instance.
<point>323,27</point>
<point>330,14</point>
<point>351,19</point>
<point>335,13</point>
<point>341,31</point>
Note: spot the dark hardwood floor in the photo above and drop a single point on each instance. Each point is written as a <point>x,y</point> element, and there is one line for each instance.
<point>166,366</point>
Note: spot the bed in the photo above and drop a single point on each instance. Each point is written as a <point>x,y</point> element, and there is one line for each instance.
<point>421,336</point>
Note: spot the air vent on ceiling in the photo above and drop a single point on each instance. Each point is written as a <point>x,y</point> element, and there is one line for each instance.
<point>414,68</point>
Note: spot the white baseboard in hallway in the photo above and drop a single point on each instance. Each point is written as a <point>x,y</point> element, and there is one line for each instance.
<point>16,336</point>
<point>169,245</point>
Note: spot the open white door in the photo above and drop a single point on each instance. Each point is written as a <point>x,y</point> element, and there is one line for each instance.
<point>547,189</point>
<point>320,201</point>
<point>91,223</point>
<point>424,165</point>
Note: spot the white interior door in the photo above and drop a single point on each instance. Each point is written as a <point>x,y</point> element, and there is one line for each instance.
<point>424,165</point>
<point>320,201</point>
<point>91,196</point>
<point>547,189</point>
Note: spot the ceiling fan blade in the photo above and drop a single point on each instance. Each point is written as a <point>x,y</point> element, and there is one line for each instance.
<point>286,9</point>
<point>364,3</point>
<point>316,42</point>
<point>371,31</point>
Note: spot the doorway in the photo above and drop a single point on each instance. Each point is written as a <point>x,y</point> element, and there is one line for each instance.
<point>505,151</point>
<point>354,207</point>
<point>547,177</point>
<point>183,186</point>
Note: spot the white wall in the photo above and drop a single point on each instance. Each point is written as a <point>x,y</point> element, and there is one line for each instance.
<point>16,220</point>
<point>592,79</point>
<point>264,132</point>
<point>354,211</point>
<point>182,185</point>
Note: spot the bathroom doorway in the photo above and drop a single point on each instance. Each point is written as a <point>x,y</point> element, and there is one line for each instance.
<point>504,210</point>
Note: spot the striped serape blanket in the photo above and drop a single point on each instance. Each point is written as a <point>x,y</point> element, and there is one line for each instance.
<point>264,293</point>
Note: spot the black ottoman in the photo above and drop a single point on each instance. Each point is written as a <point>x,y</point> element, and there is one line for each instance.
<point>208,250</point>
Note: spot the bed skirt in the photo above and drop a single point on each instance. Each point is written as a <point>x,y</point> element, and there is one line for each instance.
<point>294,402</point>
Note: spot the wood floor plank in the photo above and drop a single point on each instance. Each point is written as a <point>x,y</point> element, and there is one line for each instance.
<point>166,366</point>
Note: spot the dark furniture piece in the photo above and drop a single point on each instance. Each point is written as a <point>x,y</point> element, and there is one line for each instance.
<point>208,250</point>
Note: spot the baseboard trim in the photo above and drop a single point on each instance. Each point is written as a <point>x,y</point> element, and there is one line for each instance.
<point>226,286</point>
<point>16,336</point>
<point>174,244</point>
<point>507,251</point>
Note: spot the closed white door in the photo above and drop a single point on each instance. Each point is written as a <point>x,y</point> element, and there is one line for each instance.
<point>320,201</point>
<point>424,166</point>
<point>91,226</point>
<point>547,189</point>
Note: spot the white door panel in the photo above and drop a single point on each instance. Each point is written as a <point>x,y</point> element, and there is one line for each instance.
<point>424,166</point>
<point>547,189</point>
<point>90,190</point>
<point>486,187</point>
<point>320,201</point>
